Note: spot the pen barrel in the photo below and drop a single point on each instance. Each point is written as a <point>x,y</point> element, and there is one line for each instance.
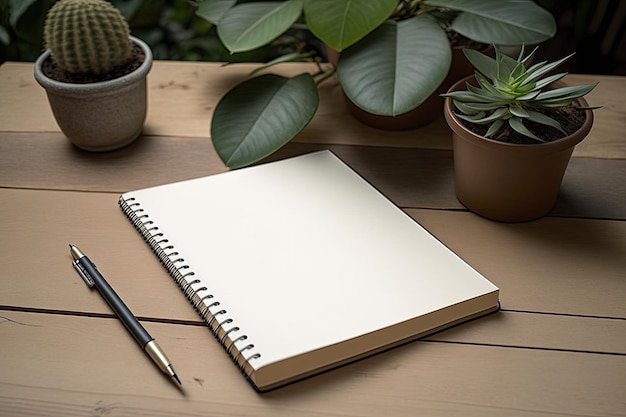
<point>117,305</point>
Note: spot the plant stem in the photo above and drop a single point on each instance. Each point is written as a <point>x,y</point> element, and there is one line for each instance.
<point>323,75</point>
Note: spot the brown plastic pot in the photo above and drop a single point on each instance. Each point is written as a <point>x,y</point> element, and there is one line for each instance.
<point>509,182</point>
<point>422,115</point>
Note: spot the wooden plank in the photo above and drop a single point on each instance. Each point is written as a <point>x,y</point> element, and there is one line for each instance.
<point>183,95</point>
<point>554,265</point>
<point>541,331</point>
<point>90,366</point>
<point>416,178</point>
<point>23,103</point>
<point>606,139</point>
<point>593,186</point>
<point>49,161</point>
<point>583,252</point>
<point>557,348</point>
<point>36,230</point>
<point>419,178</point>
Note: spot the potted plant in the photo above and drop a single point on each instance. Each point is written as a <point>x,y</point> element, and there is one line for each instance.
<point>94,74</point>
<point>514,130</point>
<point>394,54</point>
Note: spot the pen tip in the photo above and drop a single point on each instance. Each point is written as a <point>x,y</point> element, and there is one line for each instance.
<point>177,379</point>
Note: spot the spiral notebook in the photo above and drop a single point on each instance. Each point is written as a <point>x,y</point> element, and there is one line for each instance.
<point>300,265</point>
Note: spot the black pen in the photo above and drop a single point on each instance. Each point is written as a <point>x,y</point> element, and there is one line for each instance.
<point>89,273</point>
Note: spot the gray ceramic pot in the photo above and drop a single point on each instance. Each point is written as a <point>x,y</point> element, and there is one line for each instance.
<point>100,116</point>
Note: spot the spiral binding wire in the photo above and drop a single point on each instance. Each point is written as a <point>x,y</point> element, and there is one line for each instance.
<point>183,276</point>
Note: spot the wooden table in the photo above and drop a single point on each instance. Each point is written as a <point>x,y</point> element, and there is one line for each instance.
<point>557,348</point>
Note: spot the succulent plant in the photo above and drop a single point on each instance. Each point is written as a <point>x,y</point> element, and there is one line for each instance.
<point>87,36</point>
<point>515,93</point>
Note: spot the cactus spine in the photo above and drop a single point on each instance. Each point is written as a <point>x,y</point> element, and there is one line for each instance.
<point>87,36</point>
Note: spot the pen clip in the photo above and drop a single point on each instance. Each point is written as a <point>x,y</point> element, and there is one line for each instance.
<point>83,274</point>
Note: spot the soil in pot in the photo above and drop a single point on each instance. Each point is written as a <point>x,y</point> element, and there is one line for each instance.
<point>571,119</point>
<point>51,70</point>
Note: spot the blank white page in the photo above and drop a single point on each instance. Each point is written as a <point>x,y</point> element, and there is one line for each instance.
<point>304,253</point>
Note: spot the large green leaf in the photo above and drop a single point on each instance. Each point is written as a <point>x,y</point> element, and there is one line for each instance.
<point>213,10</point>
<point>260,115</point>
<point>248,26</point>
<point>503,22</point>
<point>341,23</point>
<point>396,67</point>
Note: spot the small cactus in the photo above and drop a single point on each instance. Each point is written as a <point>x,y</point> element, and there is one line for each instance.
<point>87,36</point>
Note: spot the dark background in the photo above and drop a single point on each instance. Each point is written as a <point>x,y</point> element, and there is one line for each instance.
<point>594,29</point>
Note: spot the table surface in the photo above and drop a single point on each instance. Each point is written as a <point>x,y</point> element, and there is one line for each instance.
<point>557,348</point>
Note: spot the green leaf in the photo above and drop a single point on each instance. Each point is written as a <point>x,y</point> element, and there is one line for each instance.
<point>483,63</point>
<point>541,118</point>
<point>552,104</point>
<point>518,71</point>
<point>566,93</point>
<point>503,22</point>
<point>539,70</point>
<point>491,91</point>
<point>517,125</point>
<point>549,80</point>
<point>213,10</point>
<point>506,66</point>
<point>494,128</point>
<point>470,108</point>
<point>519,111</point>
<point>500,114</point>
<point>468,96</point>
<point>396,67</point>
<point>260,115</point>
<point>465,108</point>
<point>471,117</point>
<point>528,57</point>
<point>249,26</point>
<point>529,96</point>
<point>487,96</point>
<point>342,23</point>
